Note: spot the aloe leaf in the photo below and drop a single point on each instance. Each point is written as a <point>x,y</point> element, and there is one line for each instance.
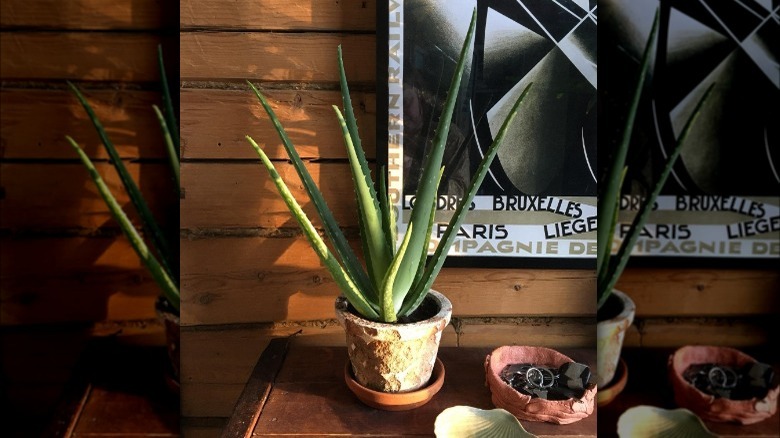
<point>388,303</point>
<point>332,230</point>
<point>609,200</point>
<point>428,184</point>
<point>624,253</point>
<point>380,256</point>
<point>159,273</point>
<point>424,256</point>
<point>437,260</point>
<point>393,228</point>
<point>371,229</point>
<point>388,222</point>
<point>349,114</point>
<point>169,147</point>
<point>602,294</point>
<point>343,280</point>
<point>170,116</point>
<point>375,288</point>
<point>147,219</point>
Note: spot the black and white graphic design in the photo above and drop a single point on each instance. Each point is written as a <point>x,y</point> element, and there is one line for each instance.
<point>538,200</point>
<point>722,199</point>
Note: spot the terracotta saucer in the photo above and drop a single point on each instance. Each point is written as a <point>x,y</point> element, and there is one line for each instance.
<point>615,387</point>
<point>398,401</point>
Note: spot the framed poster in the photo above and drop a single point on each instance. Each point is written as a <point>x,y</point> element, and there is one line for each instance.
<point>722,200</point>
<point>537,205</point>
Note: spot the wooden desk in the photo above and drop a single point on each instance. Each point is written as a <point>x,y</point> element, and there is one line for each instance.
<point>118,390</point>
<point>648,384</point>
<point>302,392</point>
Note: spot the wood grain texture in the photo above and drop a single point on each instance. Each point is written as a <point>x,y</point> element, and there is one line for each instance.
<point>226,354</point>
<point>48,280</point>
<point>45,195</point>
<point>279,15</point>
<point>221,361</point>
<point>232,280</point>
<point>232,195</point>
<point>209,399</point>
<point>284,57</point>
<point>117,389</point>
<point>35,122</point>
<point>257,389</point>
<point>223,356</point>
<point>88,14</point>
<point>125,393</point>
<point>126,57</point>
<point>214,123</point>
<point>197,428</point>
<point>553,332</point>
<point>44,190</point>
<point>681,292</point>
<point>311,380</point>
<point>737,333</point>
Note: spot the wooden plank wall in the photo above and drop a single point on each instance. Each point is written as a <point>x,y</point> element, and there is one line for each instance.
<point>730,306</point>
<point>63,258</point>
<point>247,274</point>
<point>63,262</point>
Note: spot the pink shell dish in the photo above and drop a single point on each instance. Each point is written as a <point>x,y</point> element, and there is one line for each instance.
<point>525,407</point>
<point>713,408</point>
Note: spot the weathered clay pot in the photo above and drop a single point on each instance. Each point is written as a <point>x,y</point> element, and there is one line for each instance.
<point>395,357</point>
<point>707,406</point>
<point>525,407</point>
<point>170,319</point>
<point>610,333</point>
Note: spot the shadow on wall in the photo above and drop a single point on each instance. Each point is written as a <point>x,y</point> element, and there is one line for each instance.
<point>59,240</point>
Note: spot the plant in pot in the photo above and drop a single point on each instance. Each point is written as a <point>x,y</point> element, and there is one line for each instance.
<point>392,318</point>
<point>158,255</point>
<point>615,308</point>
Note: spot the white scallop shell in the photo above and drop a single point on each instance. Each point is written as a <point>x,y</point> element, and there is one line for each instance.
<point>653,422</point>
<point>469,422</point>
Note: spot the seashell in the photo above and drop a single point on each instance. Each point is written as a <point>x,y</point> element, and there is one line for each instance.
<point>469,422</point>
<point>650,421</point>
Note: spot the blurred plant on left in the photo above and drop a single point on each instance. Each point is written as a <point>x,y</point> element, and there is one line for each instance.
<point>155,251</point>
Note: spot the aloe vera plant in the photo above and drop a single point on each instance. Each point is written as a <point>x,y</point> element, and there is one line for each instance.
<point>159,259</point>
<point>394,281</point>
<point>609,268</point>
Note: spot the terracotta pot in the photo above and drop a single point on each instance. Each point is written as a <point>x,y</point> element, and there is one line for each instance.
<point>525,407</point>
<point>615,387</point>
<point>610,334</point>
<point>395,357</point>
<point>707,406</point>
<point>170,319</point>
<point>396,401</point>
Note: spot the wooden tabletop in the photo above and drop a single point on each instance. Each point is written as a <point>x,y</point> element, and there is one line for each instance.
<point>302,392</point>
<point>118,390</point>
<point>648,385</point>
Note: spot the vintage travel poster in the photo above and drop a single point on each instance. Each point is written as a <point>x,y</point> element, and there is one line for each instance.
<point>722,199</point>
<point>539,198</point>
